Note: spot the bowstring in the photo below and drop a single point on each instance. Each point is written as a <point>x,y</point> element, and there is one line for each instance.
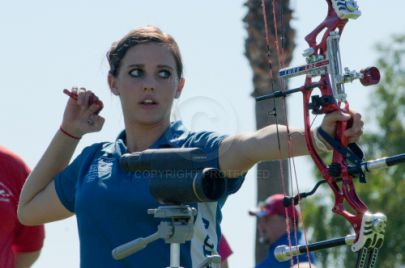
<point>275,114</point>
<point>292,167</point>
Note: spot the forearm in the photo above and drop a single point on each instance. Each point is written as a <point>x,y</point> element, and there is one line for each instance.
<point>239,153</point>
<point>276,142</point>
<point>54,160</point>
<point>25,259</point>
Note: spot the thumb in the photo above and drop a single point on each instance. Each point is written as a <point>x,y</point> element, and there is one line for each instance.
<point>333,117</point>
<point>329,121</point>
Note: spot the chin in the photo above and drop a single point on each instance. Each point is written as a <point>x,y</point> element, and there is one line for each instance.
<point>148,119</point>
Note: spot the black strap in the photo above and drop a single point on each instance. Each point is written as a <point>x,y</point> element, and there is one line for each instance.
<point>351,153</point>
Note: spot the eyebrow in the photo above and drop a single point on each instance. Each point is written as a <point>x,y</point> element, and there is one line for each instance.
<point>159,66</point>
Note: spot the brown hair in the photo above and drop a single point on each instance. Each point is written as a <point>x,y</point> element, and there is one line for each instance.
<point>141,36</point>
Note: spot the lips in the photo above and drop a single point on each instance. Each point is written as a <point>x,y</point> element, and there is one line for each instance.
<point>148,102</point>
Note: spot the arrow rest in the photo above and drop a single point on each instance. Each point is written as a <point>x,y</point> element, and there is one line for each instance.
<point>317,102</point>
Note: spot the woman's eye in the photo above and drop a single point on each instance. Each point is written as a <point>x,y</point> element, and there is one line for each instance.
<point>136,73</point>
<point>165,74</point>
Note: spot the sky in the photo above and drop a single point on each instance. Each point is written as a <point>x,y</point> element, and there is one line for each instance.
<point>48,46</point>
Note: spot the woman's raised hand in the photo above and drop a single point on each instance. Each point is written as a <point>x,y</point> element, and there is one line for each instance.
<point>81,114</point>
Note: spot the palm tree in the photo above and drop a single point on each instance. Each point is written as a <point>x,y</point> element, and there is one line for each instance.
<point>265,62</point>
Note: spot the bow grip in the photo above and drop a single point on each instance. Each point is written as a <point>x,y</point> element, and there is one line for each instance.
<point>341,126</point>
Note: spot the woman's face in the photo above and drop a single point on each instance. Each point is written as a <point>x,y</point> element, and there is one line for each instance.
<point>147,84</point>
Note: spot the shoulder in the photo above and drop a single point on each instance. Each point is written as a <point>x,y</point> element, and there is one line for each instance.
<point>92,152</point>
<point>205,139</point>
<point>101,147</point>
<point>179,136</point>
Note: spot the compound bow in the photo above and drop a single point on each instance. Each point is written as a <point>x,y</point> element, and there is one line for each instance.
<point>323,61</point>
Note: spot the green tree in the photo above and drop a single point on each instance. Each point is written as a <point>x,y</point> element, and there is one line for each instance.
<point>385,188</point>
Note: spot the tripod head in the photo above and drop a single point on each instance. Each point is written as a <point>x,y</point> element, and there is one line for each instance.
<point>175,228</point>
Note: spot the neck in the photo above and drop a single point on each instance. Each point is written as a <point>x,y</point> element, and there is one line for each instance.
<point>141,136</point>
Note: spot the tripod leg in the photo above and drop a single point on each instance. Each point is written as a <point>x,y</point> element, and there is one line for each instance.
<point>174,255</point>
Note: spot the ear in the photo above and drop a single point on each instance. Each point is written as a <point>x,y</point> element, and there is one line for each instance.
<point>179,88</point>
<point>112,82</point>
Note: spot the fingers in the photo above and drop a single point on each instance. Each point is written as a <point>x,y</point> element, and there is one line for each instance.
<point>90,105</point>
<point>92,114</point>
<point>329,121</point>
<point>81,113</point>
<point>95,122</point>
<point>84,96</point>
<point>352,133</point>
<point>356,130</point>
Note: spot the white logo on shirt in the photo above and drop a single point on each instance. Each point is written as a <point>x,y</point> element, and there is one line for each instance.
<point>104,169</point>
<point>100,170</point>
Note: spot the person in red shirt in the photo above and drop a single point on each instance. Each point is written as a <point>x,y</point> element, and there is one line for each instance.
<point>19,245</point>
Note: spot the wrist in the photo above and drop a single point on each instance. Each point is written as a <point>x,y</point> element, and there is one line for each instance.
<point>69,134</point>
<point>320,144</point>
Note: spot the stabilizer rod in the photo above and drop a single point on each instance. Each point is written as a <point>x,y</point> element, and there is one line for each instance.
<point>366,166</point>
<point>284,252</point>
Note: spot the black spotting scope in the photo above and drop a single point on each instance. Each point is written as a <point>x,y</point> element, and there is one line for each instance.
<point>177,175</point>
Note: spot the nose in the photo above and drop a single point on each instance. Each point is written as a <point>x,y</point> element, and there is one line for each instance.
<point>149,83</point>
